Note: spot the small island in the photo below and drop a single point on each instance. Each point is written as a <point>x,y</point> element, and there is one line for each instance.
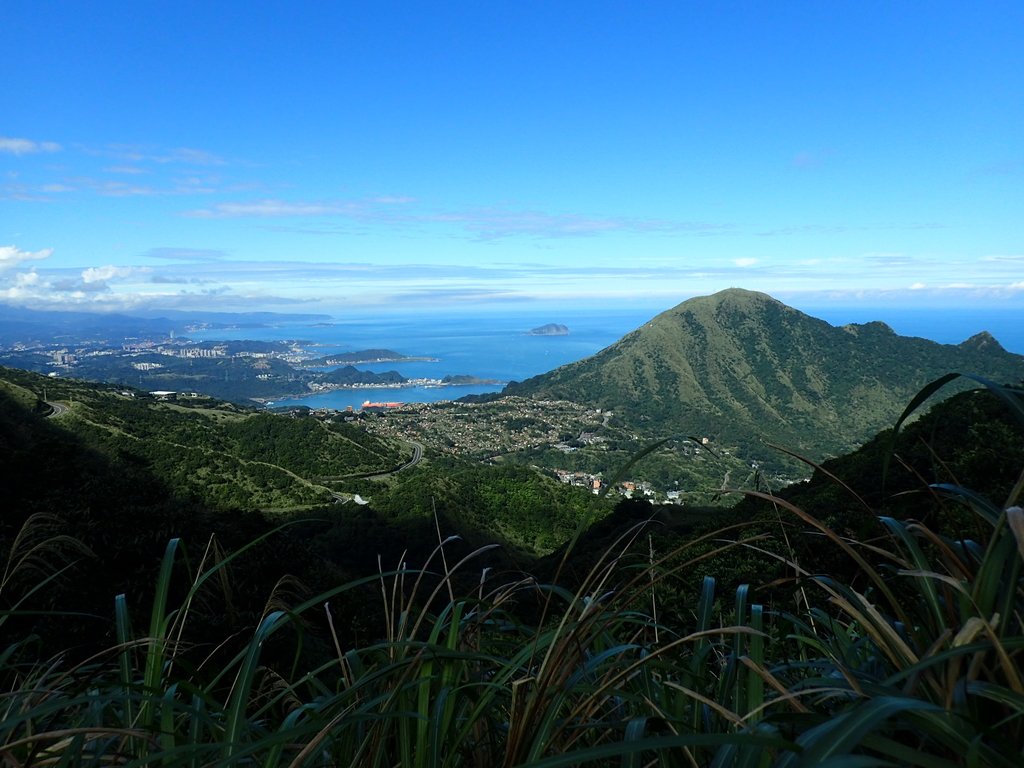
<point>551,329</point>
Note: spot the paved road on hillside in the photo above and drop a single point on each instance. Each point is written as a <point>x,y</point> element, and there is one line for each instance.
<point>417,456</point>
<point>58,409</point>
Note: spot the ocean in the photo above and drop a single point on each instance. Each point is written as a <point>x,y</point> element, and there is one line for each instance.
<point>496,345</point>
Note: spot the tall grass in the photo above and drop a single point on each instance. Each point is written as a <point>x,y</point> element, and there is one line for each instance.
<point>921,666</point>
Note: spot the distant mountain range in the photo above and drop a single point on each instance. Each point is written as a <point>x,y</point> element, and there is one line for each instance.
<point>19,325</point>
<point>744,368</point>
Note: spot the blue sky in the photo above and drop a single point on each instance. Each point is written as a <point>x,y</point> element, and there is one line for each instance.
<point>352,157</point>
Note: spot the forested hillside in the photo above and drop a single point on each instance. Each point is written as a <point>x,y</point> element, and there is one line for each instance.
<point>218,453</point>
<point>121,473</point>
<point>971,441</point>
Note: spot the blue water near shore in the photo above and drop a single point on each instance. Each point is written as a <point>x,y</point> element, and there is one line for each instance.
<point>488,346</point>
<point>497,346</point>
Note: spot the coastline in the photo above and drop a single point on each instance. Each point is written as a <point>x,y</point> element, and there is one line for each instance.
<point>320,389</point>
<point>339,361</point>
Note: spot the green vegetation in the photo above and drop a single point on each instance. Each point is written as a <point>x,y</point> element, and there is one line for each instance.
<point>126,472</point>
<point>746,370</point>
<point>311,447</point>
<point>900,645</point>
<point>216,453</point>
<point>531,515</point>
<point>483,614</point>
<point>555,436</point>
<point>348,375</point>
<point>232,378</point>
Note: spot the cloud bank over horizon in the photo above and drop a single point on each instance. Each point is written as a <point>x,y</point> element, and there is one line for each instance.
<point>180,278</point>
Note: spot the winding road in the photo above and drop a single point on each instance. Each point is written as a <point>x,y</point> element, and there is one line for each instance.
<point>58,409</point>
<point>417,455</point>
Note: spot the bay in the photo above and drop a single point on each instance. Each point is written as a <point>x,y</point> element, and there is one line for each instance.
<point>488,346</point>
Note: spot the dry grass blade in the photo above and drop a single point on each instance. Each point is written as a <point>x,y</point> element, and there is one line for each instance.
<point>1015,519</point>
<point>37,549</point>
<point>835,538</point>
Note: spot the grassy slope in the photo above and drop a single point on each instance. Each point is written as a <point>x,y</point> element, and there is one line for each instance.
<point>220,454</point>
<point>744,368</point>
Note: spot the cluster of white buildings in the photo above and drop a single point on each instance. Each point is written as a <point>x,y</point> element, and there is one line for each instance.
<point>596,484</point>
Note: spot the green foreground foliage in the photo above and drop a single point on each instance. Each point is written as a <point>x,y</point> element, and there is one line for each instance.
<point>908,652</point>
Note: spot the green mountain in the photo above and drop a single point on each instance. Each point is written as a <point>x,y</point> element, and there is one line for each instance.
<point>743,368</point>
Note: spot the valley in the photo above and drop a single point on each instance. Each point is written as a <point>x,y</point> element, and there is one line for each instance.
<point>585,447</point>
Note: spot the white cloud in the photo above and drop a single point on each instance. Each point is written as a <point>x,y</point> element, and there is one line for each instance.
<point>744,262</point>
<point>148,154</point>
<point>483,223</point>
<point>186,254</point>
<point>13,146</point>
<point>12,257</point>
<point>130,170</point>
<point>23,285</point>
<point>918,287</point>
<point>102,274</point>
<point>121,189</point>
<point>26,279</point>
<point>268,208</point>
<point>190,156</point>
<point>493,223</point>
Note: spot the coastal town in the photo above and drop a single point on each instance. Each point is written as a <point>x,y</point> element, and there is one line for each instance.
<point>578,445</point>
<point>257,372</point>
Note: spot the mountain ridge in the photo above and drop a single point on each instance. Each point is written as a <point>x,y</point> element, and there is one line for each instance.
<point>743,367</point>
